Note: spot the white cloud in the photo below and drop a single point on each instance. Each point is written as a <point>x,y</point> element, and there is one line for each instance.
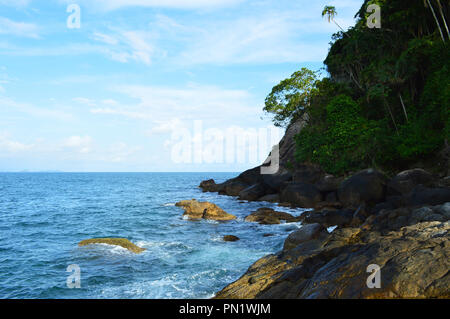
<point>20,29</point>
<point>178,4</point>
<point>8,145</point>
<point>84,101</point>
<point>81,144</point>
<point>15,3</point>
<point>34,110</point>
<point>105,38</point>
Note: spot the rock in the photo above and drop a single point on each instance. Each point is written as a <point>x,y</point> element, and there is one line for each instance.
<point>197,210</point>
<point>230,238</point>
<point>122,242</point>
<point>413,260</point>
<point>328,218</point>
<point>429,196</point>
<point>328,183</point>
<point>301,195</point>
<point>209,186</point>
<point>305,233</point>
<point>252,193</point>
<point>406,181</point>
<point>271,198</point>
<point>233,188</point>
<point>331,197</point>
<point>267,235</point>
<point>308,174</point>
<point>251,176</point>
<point>327,206</point>
<point>367,186</point>
<point>268,216</point>
<point>277,181</point>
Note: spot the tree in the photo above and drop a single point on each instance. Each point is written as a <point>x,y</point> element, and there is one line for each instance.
<point>428,4</point>
<point>289,99</point>
<point>443,17</point>
<point>331,12</point>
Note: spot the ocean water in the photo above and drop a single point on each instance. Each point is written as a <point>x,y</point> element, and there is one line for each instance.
<point>44,215</point>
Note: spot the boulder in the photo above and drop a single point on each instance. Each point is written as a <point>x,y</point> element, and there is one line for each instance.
<point>404,182</point>
<point>308,174</point>
<point>305,233</point>
<point>234,187</point>
<point>277,181</point>
<point>122,242</point>
<point>198,210</point>
<point>209,186</point>
<point>421,195</point>
<point>252,193</point>
<point>230,238</point>
<point>301,195</point>
<point>367,186</point>
<point>329,218</point>
<point>272,198</point>
<point>328,183</point>
<point>268,216</point>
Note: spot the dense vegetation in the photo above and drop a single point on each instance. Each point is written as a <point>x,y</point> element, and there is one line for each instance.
<point>386,99</point>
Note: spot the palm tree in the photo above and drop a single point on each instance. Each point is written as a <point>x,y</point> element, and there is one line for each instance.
<point>443,17</point>
<point>427,3</point>
<point>331,12</point>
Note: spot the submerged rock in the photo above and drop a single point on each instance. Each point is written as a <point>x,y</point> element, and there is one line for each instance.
<point>122,242</point>
<point>198,210</point>
<point>230,238</point>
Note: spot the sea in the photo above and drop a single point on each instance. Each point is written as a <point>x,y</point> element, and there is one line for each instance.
<point>43,217</point>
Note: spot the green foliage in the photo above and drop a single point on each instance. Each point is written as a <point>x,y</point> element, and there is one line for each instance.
<point>386,101</point>
<point>290,97</point>
<point>343,143</point>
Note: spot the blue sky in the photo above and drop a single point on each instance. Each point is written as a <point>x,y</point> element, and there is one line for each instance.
<point>110,95</point>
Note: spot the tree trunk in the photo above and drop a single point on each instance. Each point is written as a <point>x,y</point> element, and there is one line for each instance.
<point>436,19</point>
<point>404,108</point>
<point>443,18</point>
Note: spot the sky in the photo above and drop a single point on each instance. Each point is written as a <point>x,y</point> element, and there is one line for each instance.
<point>150,85</point>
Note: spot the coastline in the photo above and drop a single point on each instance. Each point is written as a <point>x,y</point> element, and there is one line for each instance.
<point>398,223</point>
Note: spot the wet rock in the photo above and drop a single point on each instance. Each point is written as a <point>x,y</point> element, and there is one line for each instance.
<point>230,238</point>
<point>198,210</point>
<point>122,242</point>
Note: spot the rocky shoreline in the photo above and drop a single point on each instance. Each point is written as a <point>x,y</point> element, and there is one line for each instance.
<point>400,224</point>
